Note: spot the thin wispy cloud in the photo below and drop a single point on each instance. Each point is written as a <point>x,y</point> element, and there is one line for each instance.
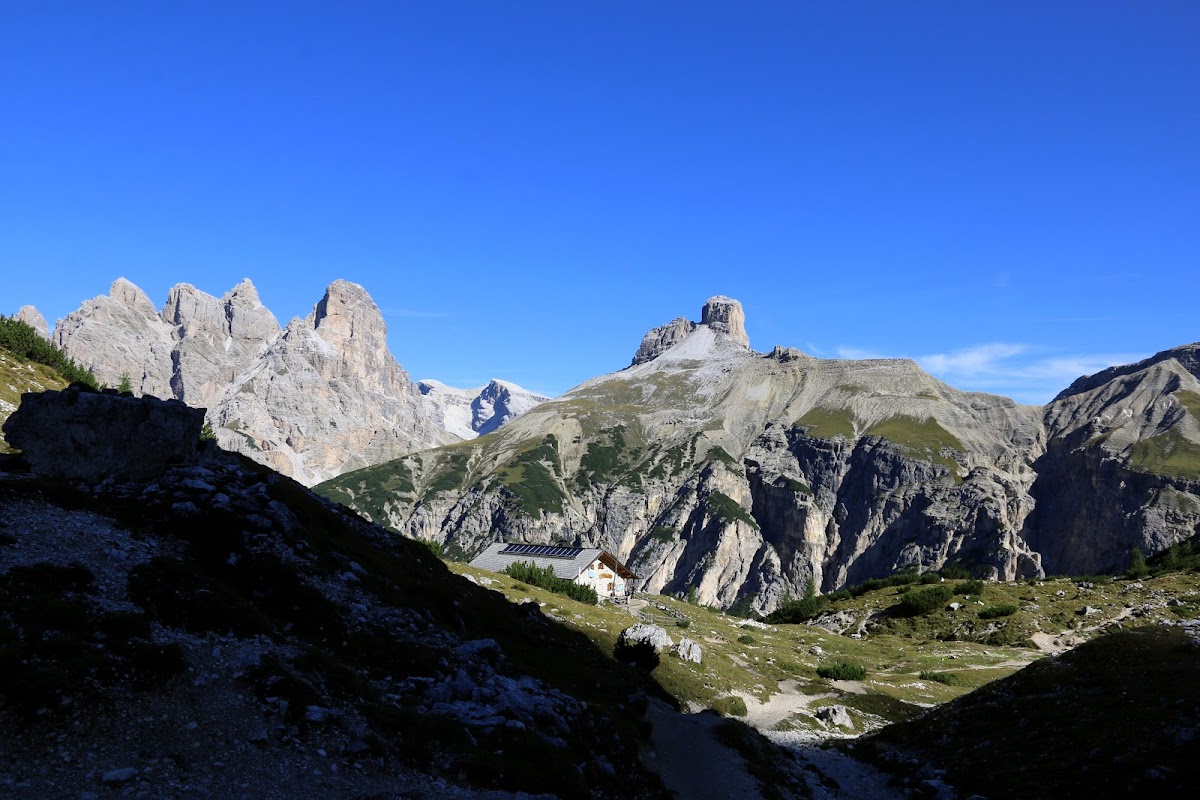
<point>856,353</point>
<point>985,358</point>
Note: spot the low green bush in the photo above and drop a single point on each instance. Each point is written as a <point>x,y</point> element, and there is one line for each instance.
<point>930,578</point>
<point>793,611</point>
<point>922,601</point>
<point>955,572</point>
<point>640,654</point>
<point>844,670</point>
<point>947,678</point>
<point>995,612</point>
<point>746,638</point>
<point>969,587</point>
<point>683,623</point>
<point>544,578</point>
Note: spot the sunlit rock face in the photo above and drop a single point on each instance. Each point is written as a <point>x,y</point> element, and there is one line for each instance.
<point>322,396</point>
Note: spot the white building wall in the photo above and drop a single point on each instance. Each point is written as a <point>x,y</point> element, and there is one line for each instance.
<point>599,576</point>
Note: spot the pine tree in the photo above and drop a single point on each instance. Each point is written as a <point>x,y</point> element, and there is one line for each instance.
<point>1137,564</point>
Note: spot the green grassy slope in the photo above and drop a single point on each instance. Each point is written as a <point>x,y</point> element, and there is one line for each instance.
<point>911,662</point>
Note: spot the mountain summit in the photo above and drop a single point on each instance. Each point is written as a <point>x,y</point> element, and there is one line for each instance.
<point>720,314</point>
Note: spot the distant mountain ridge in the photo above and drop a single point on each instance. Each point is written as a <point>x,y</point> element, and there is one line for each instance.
<point>316,398</point>
<point>469,413</point>
<point>744,476</point>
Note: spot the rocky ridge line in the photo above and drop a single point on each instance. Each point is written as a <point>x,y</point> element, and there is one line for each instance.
<point>312,400</point>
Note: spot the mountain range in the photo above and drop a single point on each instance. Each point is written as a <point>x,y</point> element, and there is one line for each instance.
<point>735,476</point>
<point>742,477</point>
<point>312,400</point>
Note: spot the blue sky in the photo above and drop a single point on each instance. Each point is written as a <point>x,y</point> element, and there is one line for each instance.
<point>1008,192</point>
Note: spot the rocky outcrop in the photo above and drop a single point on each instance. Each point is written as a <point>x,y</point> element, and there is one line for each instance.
<point>725,315</point>
<point>34,319</point>
<point>79,434</point>
<point>737,477</point>
<point>661,339</point>
<point>740,478</point>
<point>641,632</point>
<point>687,650</point>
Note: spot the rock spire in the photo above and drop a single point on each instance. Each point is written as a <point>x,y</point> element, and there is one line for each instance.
<point>720,314</point>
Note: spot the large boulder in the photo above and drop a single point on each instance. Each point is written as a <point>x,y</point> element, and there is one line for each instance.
<point>641,632</point>
<point>836,715</point>
<point>84,435</point>
<point>687,650</point>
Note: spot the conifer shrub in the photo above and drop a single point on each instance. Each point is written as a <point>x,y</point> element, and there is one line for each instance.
<point>947,678</point>
<point>640,654</point>
<point>792,611</point>
<point>1137,564</point>
<point>922,601</point>
<point>969,587</point>
<point>20,339</point>
<point>955,572</point>
<point>544,578</point>
<point>843,670</point>
<point>995,612</point>
<point>930,578</point>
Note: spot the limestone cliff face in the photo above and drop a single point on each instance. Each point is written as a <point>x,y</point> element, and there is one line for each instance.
<point>215,339</point>
<point>327,395</point>
<point>323,396</point>
<point>120,334</point>
<point>661,339</point>
<point>741,475</point>
<point>724,314</point>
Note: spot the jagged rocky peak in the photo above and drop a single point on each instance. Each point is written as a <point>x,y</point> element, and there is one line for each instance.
<point>347,313</point>
<point>725,315</point>
<point>215,339</point>
<point>131,296</point>
<point>347,319</point>
<point>34,319</point>
<point>720,314</point>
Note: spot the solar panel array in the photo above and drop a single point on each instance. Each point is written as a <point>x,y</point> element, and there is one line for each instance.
<point>542,550</point>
